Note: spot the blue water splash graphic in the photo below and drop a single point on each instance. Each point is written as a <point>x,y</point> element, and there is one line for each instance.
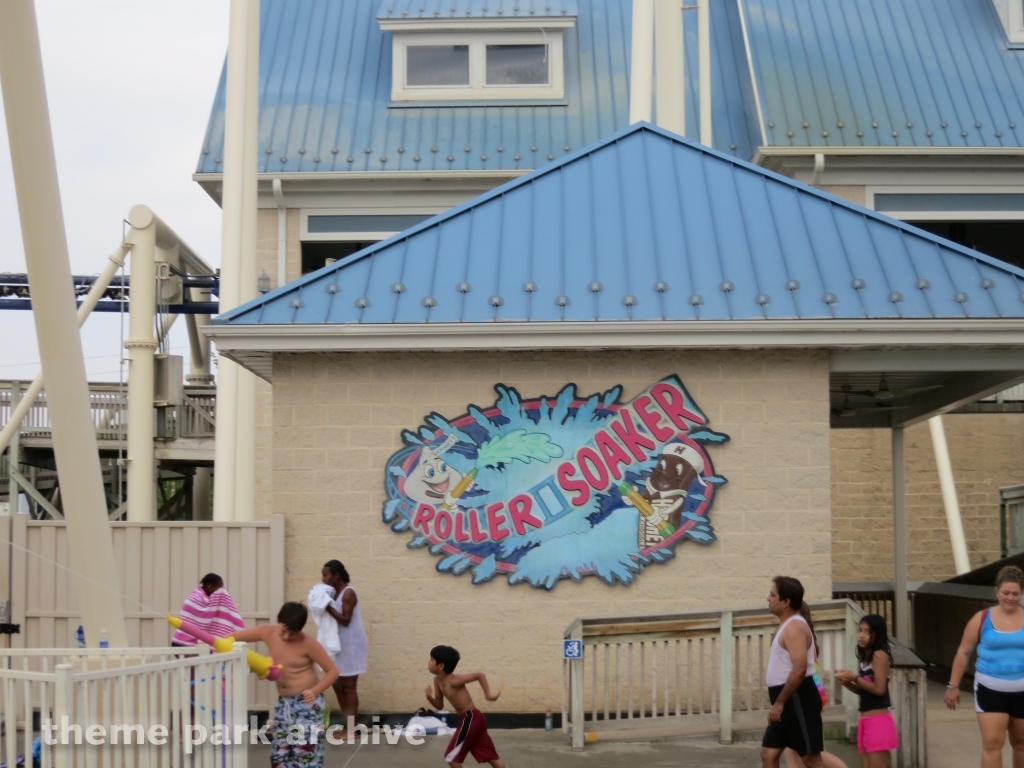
<point>516,445</point>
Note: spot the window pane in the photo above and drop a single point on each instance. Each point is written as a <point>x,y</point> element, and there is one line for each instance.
<point>437,65</point>
<point>982,201</point>
<point>517,65</point>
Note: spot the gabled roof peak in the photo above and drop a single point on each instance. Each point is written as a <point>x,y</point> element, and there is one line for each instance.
<point>645,225</point>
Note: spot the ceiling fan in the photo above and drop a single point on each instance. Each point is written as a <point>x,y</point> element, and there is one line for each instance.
<point>884,392</point>
<point>848,410</point>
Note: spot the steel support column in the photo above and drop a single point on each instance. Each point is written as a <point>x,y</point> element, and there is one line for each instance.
<point>60,347</point>
<point>901,621</point>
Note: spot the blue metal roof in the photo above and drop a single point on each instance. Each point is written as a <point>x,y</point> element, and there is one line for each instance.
<point>325,95</point>
<point>646,225</point>
<point>890,73</point>
<point>475,9</point>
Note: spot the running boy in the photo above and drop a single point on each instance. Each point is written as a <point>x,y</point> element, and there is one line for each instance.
<point>471,737</point>
<point>300,688</point>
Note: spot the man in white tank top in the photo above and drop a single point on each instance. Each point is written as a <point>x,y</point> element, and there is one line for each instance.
<point>794,720</point>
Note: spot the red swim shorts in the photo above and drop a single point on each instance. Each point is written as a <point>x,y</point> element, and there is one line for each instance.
<point>471,738</point>
<point>877,733</point>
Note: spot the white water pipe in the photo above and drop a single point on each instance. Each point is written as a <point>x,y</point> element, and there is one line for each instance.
<point>704,61</point>
<point>641,66</point>
<point>669,85</point>
<point>141,344</point>
<point>53,307</point>
<point>961,559</point>
<point>115,262</point>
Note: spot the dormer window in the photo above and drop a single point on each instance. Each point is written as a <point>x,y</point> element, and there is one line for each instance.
<point>1011,13</point>
<point>476,53</point>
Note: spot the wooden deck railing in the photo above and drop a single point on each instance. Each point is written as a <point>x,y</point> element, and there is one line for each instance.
<point>703,672</point>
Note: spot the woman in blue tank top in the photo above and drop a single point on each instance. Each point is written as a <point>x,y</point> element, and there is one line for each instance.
<point>998,635</point>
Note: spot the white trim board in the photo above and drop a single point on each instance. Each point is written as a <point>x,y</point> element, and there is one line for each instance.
<point>1005,334</point>
<point>871,190</point>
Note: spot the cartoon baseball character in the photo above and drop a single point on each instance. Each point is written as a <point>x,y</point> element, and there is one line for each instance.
<point>431,479</point>
<point>666,490</point>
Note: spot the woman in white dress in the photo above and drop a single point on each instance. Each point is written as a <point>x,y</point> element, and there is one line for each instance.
<point>351,659</point>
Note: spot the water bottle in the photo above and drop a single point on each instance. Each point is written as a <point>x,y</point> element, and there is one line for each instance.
<point>549,720</point>
<point>80,636</point>
<point>104,643</point>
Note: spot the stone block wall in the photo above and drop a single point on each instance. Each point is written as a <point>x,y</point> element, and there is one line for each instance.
<point>986,451</point>
<point>338,417</point>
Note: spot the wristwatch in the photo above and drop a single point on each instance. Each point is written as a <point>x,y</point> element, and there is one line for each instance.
<point>952,687</point>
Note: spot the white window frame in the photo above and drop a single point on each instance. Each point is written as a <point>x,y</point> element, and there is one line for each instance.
<point>478,89</point>
<point>871,191</point>
<point>306,236</point>
<point>1011,14</point>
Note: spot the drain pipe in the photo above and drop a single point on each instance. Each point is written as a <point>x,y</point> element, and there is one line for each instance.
<point>282,234</point>
<point>116,261</point>
<point>961,560</point>
<point>641,66</point>
<point>93,565</point>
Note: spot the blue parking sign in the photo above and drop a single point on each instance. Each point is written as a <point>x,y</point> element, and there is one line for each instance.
<point>572,649</point>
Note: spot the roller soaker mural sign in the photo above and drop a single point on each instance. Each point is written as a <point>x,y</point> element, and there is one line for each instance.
<point>557,487</point>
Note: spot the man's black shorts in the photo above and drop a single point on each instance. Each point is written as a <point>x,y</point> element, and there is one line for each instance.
<point>800,727</point>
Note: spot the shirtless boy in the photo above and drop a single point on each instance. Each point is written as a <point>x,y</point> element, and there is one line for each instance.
<point>300,688</point>
<point>471,737</point>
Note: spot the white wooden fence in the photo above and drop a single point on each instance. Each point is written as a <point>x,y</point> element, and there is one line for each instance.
<point>703,672</point>
<point>138,697</point>
<point>159,564</point>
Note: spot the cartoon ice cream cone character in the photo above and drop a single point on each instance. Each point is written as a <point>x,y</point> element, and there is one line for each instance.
<point>665,491</point>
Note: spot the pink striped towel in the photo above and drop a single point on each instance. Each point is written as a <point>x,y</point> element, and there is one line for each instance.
<point>215,613</point>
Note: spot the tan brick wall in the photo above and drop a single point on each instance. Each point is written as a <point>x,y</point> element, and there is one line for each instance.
<point>986,451</point>
<point>855,193</point>
<point>266,259</point>
<point>338,417</point>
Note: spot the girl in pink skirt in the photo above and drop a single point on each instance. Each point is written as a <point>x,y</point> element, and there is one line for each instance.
<point>876,729</point>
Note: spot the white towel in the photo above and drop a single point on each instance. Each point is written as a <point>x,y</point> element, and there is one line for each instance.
<point>319,598</point>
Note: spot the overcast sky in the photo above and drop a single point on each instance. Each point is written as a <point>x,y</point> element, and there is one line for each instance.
<point>130,84</point>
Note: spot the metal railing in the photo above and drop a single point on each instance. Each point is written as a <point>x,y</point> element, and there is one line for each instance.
<point>703,672</point>
<point>173,694</point>
<point>872,596</point>
<point>194,417</point>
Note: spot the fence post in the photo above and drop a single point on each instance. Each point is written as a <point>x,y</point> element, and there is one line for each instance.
<point>63,705</point>
<point>240,709</point>
<point>726,648</point>
<point>576,692</point>
<point>851,700</point>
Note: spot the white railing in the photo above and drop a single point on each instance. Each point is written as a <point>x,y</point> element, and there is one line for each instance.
<point>138,697</point>
<point>109,405</point>
<point>658,676</point>
<point>1013,394</point>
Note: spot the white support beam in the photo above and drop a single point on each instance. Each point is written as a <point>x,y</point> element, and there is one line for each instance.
<point>923,360</point>
<point>901,622</point>
<point>53,307</point>
<point>641,63</point>
<point>961,389</point>
<point>704,57</point>
<point>961,559</point>
<point>236,400</point>
<point>669,85</point>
